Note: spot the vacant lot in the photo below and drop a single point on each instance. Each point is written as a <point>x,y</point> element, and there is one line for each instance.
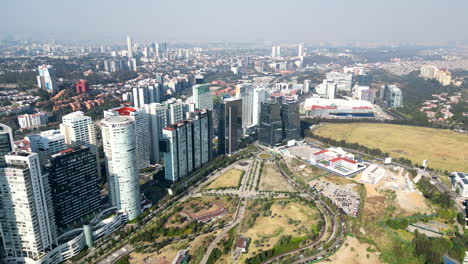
<point>355,252</point>
<point>304,170</point>
<point>271,180</point>
<point>296,219</point>
<point>445,149</point>
<point>229,179</point>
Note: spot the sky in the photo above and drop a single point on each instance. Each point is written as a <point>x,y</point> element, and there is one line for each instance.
<point>237,20</point>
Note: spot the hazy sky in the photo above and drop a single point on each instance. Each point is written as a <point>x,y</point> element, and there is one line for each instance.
<point>242,20</point>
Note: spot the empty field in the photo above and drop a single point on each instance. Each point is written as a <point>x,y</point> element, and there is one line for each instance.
<point>272,181</point>
<point>229,179</point>
<point>296,219</point>
<point>445,149</point>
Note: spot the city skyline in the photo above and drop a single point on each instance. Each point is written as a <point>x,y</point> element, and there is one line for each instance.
<point>308,21</point>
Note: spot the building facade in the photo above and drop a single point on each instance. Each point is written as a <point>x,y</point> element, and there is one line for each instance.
<point>119,142</point>
<point>74,182</point>
<point>142,136</point>
<point>229,114</point>
<point>202,97</point>
<point>33,121</point>
<point>46,78</point>
<point>27,221</point>
<point>187,145</point>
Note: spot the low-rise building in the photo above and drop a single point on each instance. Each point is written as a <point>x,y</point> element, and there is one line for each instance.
<point>32,121</point>
<point>459,182</point>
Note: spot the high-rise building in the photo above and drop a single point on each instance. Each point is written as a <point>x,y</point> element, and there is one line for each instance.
<point>177,110</point>
<point>279,122</point>
<point>142,136</point>
<point>246,93</point>
<point>46,78</point>
<point>119,142</point>
<point>33,121</point>
<point>300,50</point>
<point>229,114</point>
<point>73,178</point>
<point>157,120</point>
<point>202,97</point>
<point>145,95</point>
<point>291,120</point>
<point>129,47</point>
<point>187,145</point>
<point>391,95</point>
<point>78,129</point>
<point>46,143</point>
<point>6,142</point>
<point>260,96</point>
<point>270,127</point>
<point>429,71</point>
<point>343,81</point>
<point>27,221</point>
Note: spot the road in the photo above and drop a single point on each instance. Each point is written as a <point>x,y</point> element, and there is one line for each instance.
<point>127,249</point>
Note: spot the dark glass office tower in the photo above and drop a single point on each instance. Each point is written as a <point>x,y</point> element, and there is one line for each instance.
<point>73,178</point>
<point>271,127</point>
<point>291,120</point>
<point>229,114</point>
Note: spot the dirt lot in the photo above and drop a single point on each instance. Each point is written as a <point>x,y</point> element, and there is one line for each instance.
<point>355,253</point>
<point>411,203</point>
<point>304,170</point>
<point>229,179</point>
<point>271,180</point>
<point>164,256</point>
<point>267,230</point>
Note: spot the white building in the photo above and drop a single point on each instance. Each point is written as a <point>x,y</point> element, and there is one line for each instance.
<point>327,89</point>
<point>119,142</point>
<point>246,93</point>
<point>32,121</point>
<point>78,129</point>
<point>260,96</point>
<point>46,143</point>
<point>27,221</point>
<point>46,78</point>
<point>202,97</point>
<point>429,71</point>
<point>344,81</point>
<point>177,110</point>
<point>300,50</point>
<point>460,183</point>
<point>129,47</point>
<point>141,128</point>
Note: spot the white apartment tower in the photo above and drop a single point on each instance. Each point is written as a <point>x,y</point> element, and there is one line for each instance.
<point>119,142</point>
<point>27,221</point>
<point>246,93</point>
<point>46,78</point>
<point>129,47</point>
<point>141,131</point>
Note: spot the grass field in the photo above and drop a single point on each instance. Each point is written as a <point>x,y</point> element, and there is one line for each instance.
<point>294,218</point>
<point>229,179</point>
<point>444,149</point>
<point>271,180</point>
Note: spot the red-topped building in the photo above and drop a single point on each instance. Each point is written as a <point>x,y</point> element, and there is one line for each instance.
<point>82,86</point>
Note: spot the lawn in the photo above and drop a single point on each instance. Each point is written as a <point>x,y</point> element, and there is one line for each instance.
<point>444,149</point>
<point>293,218</point>
<point>230,179</point>
<point>272,181</point>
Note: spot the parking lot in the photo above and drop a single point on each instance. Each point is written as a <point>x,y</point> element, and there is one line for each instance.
<point>343,196</point>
